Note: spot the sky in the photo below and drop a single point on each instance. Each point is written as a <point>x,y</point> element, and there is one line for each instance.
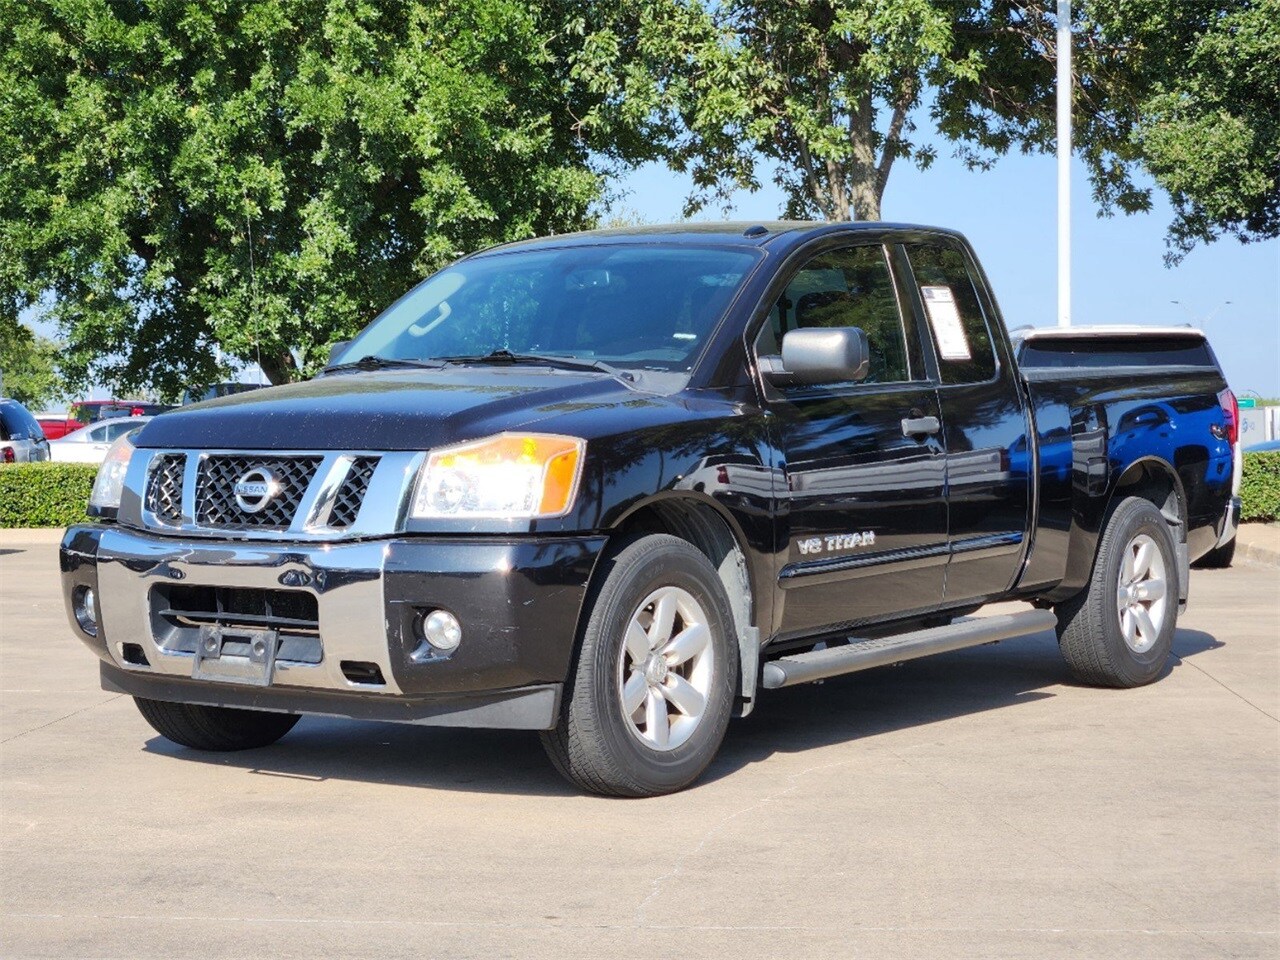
<point>1009,214</point>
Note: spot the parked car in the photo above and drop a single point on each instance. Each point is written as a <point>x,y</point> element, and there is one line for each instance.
<point>57,425</point>
<point>91,411</point>
<point>21,439</point>
<point>679,469</point>
<point>90,444</point>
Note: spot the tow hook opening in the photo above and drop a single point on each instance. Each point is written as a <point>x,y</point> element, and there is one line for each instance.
<point>359,671</point>
<point>133,653</point>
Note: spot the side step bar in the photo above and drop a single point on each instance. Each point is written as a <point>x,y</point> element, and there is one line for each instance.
<point>864,654</point>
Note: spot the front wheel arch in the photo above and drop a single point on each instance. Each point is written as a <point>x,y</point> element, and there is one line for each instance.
<point>702,524</point>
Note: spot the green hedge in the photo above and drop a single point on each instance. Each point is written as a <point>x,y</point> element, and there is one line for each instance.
<point>45,494</point>
<point>1260,487</point>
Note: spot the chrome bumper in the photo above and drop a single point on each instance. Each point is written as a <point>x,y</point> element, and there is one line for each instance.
<point>518,601</point>
<point>346,581</point>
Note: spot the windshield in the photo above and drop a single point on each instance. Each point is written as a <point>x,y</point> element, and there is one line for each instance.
<point>629,306</point>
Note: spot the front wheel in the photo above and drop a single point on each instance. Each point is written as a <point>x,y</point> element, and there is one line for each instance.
<point>651,696</point>
<point>1118,631</point>
<point>214,728</point>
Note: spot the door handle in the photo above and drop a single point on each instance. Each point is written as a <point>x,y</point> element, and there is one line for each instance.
<point>919,426</point>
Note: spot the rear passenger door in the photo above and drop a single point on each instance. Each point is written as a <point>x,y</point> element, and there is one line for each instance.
<point>863,515</point>
<point>989,457</point>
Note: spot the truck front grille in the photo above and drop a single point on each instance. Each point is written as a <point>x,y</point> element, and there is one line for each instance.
<point>164,487</point>
<point>351,494</point>
<point>216,502</point>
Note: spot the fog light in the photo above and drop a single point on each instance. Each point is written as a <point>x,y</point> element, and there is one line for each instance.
<point>85,606</point>
<point>441,629</point>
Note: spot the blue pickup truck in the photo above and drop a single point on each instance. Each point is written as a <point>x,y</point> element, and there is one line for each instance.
<point>618,486</point>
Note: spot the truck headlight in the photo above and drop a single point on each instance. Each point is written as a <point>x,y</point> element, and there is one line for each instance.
<point>512,476</point>
<point>109,483</point>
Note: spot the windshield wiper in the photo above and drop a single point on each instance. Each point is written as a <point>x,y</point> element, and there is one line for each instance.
<point>543,359</point>
<point>370,362</point>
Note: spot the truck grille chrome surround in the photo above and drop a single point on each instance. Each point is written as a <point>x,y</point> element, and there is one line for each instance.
<point>299,495</point>
<point>218,477</point>
<point>164,488</point>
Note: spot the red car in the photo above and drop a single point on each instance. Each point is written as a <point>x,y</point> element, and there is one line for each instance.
<point>56,426</point>
<point>91,411</point>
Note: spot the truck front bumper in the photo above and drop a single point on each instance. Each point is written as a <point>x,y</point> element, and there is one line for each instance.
<point>341,621</point>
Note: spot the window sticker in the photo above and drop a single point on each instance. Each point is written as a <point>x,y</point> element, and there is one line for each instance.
<point>940,304</point>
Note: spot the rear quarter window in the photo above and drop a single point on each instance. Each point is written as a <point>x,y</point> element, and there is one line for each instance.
<point>1059,352</point>
<point>953,313</point>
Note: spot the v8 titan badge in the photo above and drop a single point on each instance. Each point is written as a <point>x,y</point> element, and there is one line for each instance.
<point>836,542</point>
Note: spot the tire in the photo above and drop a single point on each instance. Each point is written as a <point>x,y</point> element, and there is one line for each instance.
<point>214,728</point>
<point>1107,642</point>
<point>1219,558</point>
<point>601,747</point>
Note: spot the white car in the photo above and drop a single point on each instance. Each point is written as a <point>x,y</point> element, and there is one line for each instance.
<point>90,444</point>
<point>21,437</point>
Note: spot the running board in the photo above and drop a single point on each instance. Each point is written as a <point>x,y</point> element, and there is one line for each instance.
<point>864,654</point>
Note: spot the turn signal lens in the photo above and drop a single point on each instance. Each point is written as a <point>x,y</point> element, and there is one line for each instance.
<point>509,477</point>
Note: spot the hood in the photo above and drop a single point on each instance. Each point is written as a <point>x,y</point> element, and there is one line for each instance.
<point>384,410</point>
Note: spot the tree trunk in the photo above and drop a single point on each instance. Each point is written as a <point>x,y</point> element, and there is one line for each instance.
<point>278,367</point>
<point>862,177</point>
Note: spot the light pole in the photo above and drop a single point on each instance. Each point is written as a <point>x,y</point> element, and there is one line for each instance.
<point>1064,162</point>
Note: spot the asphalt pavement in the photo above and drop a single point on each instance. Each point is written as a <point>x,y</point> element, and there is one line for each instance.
<point>977,804</point>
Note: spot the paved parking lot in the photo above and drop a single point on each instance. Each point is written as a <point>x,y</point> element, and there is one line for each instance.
<point>976,804</point>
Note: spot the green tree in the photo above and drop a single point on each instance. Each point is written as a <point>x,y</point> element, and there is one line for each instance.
<point>827,95</point>
<point>1207,79</point>
<point>261,176</point>
<point>1179,92</point>
<point>822,94</point>
<point>28,366</point>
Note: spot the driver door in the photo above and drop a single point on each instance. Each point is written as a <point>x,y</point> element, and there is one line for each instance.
<point>864,513</point>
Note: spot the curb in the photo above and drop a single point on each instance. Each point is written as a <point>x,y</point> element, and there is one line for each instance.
<point>1255,553</point>
<point>1259,543</point>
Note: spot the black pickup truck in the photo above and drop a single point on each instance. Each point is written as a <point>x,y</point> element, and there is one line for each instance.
<point>616,486</point>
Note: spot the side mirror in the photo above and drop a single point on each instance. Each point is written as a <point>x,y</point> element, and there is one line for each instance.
<point>825,355</point>
<point>336,350</point>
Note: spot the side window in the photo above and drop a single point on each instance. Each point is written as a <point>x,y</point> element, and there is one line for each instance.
<point>33,428</point>
<point>845,288</point>
<point>97,435</point>
<point>116,430</point>
<point>953,312</point>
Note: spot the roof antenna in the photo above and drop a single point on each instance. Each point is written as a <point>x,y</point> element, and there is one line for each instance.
<point>759,230</point>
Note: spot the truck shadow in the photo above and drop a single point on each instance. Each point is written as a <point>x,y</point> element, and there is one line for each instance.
<point>860,706</point>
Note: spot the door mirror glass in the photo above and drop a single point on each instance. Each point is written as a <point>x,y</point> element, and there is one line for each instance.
<point>825,355</point>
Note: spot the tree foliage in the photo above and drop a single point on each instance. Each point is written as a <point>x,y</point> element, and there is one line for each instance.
<point>827,95</point>
<point>28,366</point>
<point>822,94</point>
<point>261,176</point>
<point>1206,80</point>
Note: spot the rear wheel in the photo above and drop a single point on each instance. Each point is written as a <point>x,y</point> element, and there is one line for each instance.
<point>1118,631</point>
<point>214,728</point>
<point>651,696</point>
